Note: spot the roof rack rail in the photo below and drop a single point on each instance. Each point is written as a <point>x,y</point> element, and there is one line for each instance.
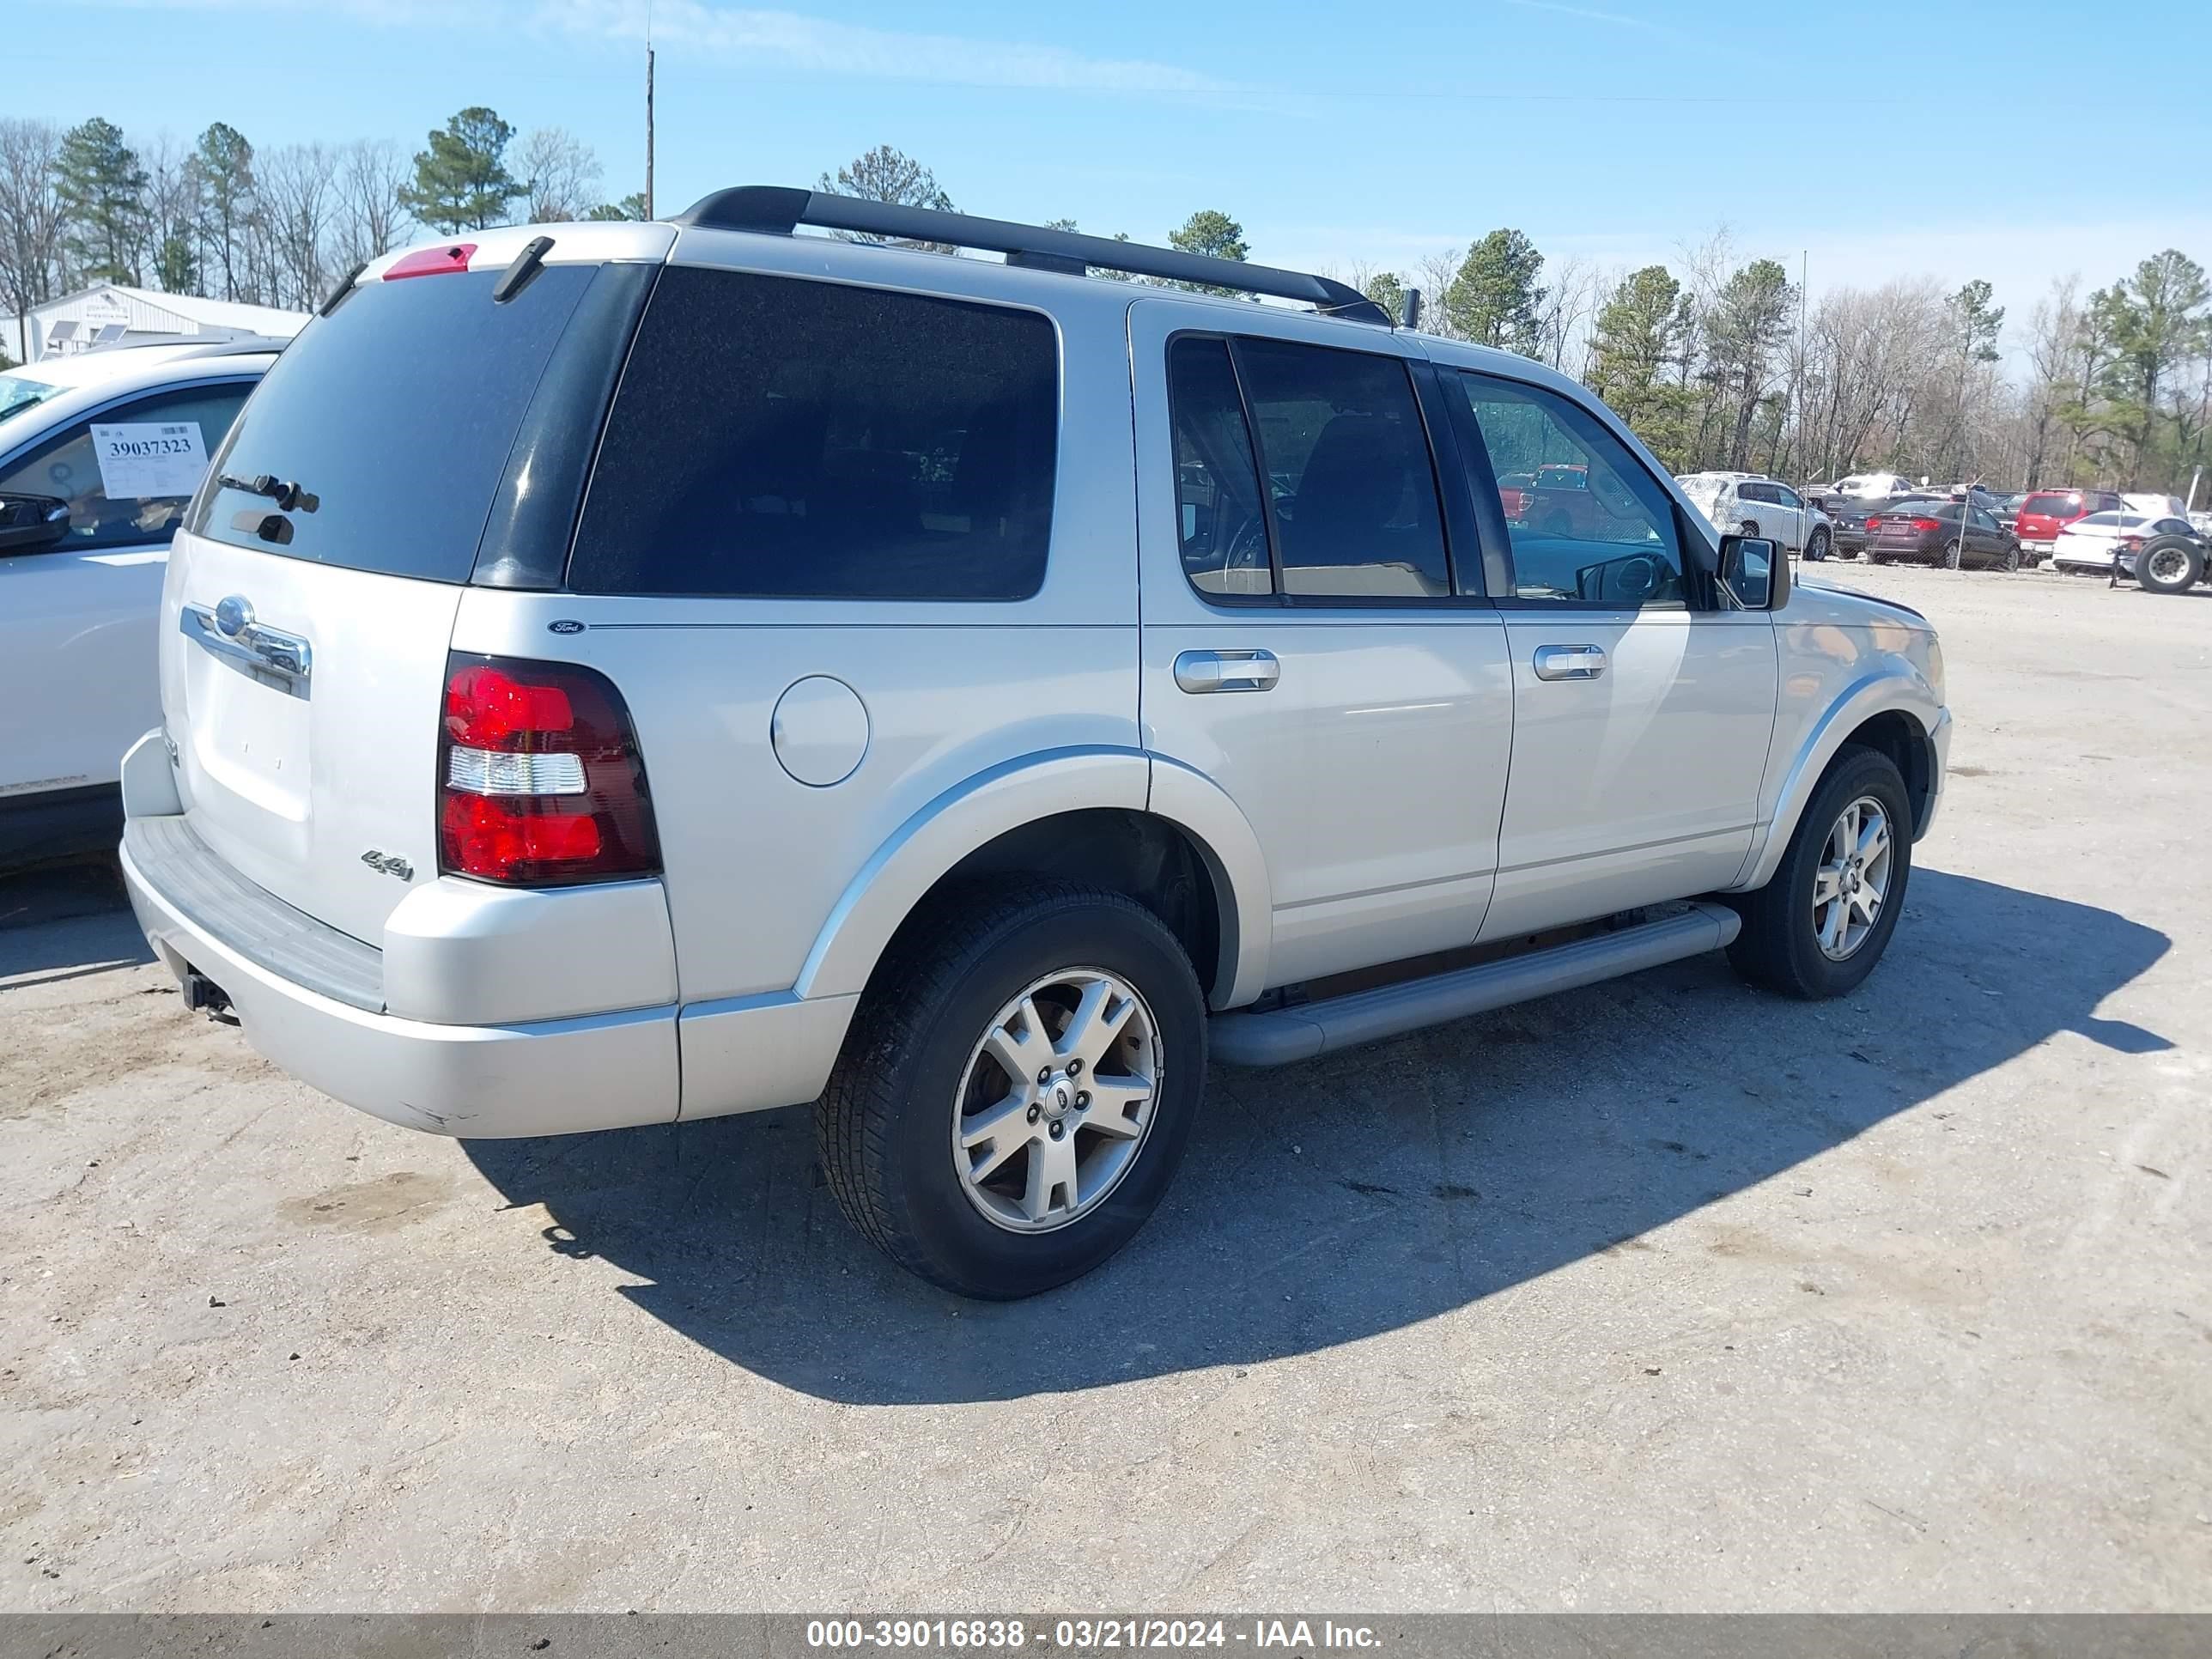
<point>778,210</point>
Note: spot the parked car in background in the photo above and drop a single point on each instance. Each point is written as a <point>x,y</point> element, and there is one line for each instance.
<point>2088,546</point>
<point>1849,519</point>
<point>2006,509</point>
<point>965,842</point>
<point>2047,511</point>
<point>1753,504</point>
<point>1954,533</point>
<point>1867,486</point>
<point>99,454</point>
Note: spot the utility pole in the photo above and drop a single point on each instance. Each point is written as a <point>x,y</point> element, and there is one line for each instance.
<point>648,108</point>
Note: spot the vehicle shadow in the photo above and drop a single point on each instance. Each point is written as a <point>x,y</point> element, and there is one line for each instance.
<point>65,921</point>
<point>1358,1193</point>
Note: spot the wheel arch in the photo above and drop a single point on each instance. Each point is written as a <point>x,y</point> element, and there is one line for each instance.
<point>1896,712</point>
<point>1103,815</point>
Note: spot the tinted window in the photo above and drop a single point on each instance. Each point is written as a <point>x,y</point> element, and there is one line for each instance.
<point>1984,520</point>
<point>1346,460</point>
<point>396,414</point>
<point>1219,524</point>
<point>780,438</point>
<point>2056,506</point>
<point>119,498</point>
<point>1757,492</point>
<point>1610,542</point>
<point>1785,497</point>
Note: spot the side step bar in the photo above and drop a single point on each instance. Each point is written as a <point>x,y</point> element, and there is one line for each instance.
<point>1282,1034</point>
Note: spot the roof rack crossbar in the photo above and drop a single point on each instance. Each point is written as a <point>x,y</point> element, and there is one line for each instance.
<point>776,209</point>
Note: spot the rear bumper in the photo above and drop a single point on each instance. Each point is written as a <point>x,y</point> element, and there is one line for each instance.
<point>549,1077</point>
<point>343,1017</point>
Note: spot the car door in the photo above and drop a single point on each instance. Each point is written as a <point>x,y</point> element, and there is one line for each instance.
<point>1790,517</point>
<point>1306,645</point>
<point>1986,536</point>
<point>77,618</point>
<point>1641,713</point>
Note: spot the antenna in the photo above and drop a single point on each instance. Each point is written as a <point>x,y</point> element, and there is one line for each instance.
<point>1409,309</point>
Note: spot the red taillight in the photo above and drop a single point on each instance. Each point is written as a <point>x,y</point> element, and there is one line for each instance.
<point>1873,521</point>
<point>2133,544</point>
<point>539,778</point>
<point>1923,525</point>
<point>431,261</point>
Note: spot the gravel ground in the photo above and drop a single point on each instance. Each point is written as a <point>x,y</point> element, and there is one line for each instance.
<point>1663,1295</point>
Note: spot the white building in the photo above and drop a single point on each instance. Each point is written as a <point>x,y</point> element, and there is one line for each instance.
<point>108,313</point>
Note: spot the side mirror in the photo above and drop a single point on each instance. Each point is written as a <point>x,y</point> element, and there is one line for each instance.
<point>32,521</point>
<point>1755,572</point>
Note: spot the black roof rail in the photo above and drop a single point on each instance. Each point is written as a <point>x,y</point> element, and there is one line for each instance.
<point>778,210</point>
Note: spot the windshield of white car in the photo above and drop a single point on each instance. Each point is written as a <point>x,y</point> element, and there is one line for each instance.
<point>20,391</point>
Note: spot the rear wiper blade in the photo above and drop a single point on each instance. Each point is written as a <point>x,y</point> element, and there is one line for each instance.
<point>286,495</point>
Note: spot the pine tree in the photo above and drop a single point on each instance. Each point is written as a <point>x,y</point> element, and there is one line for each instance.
<point>1494,299</point>
<point>461,182</point>
<point>103,192</point>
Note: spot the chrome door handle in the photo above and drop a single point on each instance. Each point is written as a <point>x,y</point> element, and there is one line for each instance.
<point>1570,662</point>
<point>1199,671</point>
<point>276,659</point>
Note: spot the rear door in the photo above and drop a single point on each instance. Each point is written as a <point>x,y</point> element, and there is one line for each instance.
<point>76,619</point>
<point>309,604</point>
<point>1640,719</point>
<point>1305,645</point>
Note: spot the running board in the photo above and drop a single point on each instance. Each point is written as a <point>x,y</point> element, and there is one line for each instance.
<point>1282,1034</point>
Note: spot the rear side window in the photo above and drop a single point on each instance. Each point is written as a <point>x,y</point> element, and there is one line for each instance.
<point>1351,489</point>
<point>394,414</point>
<point>1220,526</point>
<point>777,438</point>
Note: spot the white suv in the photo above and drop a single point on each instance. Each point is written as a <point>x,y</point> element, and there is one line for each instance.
<point>100,454</point>
<point>619,673</point>
<point>1753,504</point>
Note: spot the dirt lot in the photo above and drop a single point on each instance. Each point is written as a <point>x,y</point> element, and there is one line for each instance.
<point>1663,1295</point>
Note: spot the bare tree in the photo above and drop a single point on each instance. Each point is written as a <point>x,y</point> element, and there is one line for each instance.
<point>295,203</point>
<point>1436,272</point>
<point>371,218</point>
<point>561,173</point>
<point>30,219</point>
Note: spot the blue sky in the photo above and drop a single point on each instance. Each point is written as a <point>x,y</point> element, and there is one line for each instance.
<point>1887,138</point>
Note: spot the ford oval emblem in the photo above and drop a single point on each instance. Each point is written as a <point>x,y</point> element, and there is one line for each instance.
<point>566,625</point>
<point>232,617</point>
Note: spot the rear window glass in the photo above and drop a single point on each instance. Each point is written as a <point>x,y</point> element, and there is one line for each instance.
<point>781,438</point>
<point>2060,505</point>
<point>20,391</point>
<point>394,415</point>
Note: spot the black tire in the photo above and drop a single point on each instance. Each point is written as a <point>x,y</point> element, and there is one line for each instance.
<point>884,1125</point>
<point>1954,553</point>
<point>1748,528</point>
<point>1816,550</point>
<point>1777,947</point>
<point>2179,574</point>
<point>2011,558</point>
<point>1874,557</point>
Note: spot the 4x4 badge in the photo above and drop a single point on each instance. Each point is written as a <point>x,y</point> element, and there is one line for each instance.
<point>566,625</point>
<point>390,863</point>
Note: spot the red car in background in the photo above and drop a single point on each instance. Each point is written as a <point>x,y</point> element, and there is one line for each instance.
<point>2047,511</point>
<point>1554,499</point>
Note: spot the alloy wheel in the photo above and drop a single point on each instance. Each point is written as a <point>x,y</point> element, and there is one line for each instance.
<point>1852,882</point>
<point>1056,1100</point>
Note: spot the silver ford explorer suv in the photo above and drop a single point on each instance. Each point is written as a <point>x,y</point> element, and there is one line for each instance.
<point>625,673</point>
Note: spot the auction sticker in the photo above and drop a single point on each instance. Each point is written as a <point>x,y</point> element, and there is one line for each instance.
<point>145,459</point>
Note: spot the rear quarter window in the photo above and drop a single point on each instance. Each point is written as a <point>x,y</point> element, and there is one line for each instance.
<point>780,438</point>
